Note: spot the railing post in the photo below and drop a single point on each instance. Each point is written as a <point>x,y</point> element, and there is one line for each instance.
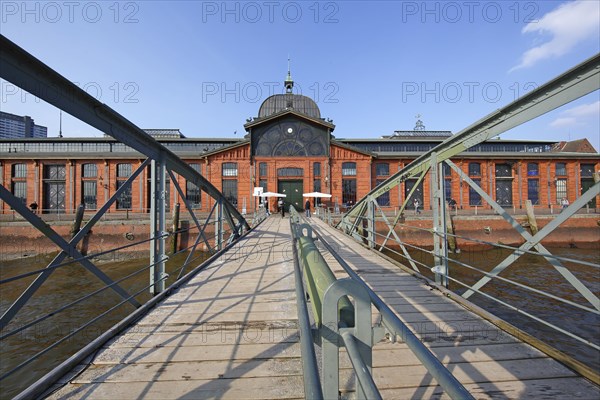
<point>219,225</point>
<point>438,206</point>
<point>331,331</point>
<point>371,224</point>
<point>157,227</point>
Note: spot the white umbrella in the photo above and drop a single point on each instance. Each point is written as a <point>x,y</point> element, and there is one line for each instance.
<point>272,194</point>
<point>317,194</point>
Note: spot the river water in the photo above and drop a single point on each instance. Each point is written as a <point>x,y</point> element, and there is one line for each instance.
<point>65,285</point>
<point>68,283</point>
<point>536,272</point>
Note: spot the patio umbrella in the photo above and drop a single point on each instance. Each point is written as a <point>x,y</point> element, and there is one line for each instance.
<point>316,194</point>
<point>272,194</point>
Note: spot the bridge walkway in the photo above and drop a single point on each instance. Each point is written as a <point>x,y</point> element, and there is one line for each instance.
<point>489,362</point>
<point>231,332</point>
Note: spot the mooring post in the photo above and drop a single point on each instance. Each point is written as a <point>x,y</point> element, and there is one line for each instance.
<point>78,219</point>
<point>175,228</point>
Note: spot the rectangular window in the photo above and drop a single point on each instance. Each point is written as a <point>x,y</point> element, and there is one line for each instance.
<point>230,191</point>
<point>503,171</point>
<point>262,169</point>
<point>532,169</point>
<point>474,197</point>
<point>317,169</point>
<point>263,184</point>
<point>348,192</point>
<point>192,195</point>
<point>230,169</point>
<point>317,185</point>
<point>124,200</point>
<point>349,169</point>
<point>587,170</point>
<point>123,170</point>
<point>561,169</point>
<point>89,170</point>
<point>448,189</point>
<point>474,169</point>
<point>533,190</point>
<point>384,199</point>
<point>446,170</point>
<point>561,190</point>
<point>19,171</point>
<point>55,172</point>
<point>19,190</point>
<point>89,194</point>
<point>382,169</point>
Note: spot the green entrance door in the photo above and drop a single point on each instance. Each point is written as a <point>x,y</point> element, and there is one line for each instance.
<point>293,191</point>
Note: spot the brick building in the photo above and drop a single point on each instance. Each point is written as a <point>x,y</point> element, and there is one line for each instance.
<point>289,148</point>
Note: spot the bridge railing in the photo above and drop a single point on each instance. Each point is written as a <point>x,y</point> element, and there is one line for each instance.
<point>340,323</point>
<point>559,281</point>
<point>57,309</point>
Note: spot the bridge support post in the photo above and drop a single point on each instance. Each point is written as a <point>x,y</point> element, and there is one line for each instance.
<point>371,224</point>
<point>438,206</point>
<point>157,226</point>
<point>219,225</point>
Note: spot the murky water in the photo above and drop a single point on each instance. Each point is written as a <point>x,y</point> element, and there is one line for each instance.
<point>64,286</point>
<point>535,272</point>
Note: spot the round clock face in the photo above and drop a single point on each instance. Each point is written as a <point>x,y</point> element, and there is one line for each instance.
<point>290,130</point>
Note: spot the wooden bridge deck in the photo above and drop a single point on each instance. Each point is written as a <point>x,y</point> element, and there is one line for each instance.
<point>231,332</point>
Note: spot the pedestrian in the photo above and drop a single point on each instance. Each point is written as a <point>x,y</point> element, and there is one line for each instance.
<point>307,208</point>
<point>564,203</point>
<point>452,204</point>
<point>34,207</point>
<point>416,203</point>
<point>282,208</point>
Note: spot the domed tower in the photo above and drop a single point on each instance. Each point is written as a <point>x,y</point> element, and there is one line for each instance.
<point>289,125</point>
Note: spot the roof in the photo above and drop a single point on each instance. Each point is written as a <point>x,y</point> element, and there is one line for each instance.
<point>295,112</point>
<point>418,133</point>
<point>574,146</point>
<point>280,102</point>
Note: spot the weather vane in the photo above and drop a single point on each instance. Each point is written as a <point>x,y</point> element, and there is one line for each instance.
<point>419,124</point>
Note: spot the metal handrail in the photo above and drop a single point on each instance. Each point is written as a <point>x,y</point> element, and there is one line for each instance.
<point>39,387</point>
<point>486,273</point>
<point>312,385</point>
<point>447,381</point>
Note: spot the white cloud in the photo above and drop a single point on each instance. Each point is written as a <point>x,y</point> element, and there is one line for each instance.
<point>584,110</point>
<point>568,25</point>
<point>563,122</point>
<point>573,117</point>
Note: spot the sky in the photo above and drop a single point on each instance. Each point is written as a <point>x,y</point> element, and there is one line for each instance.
<point>373,67</point>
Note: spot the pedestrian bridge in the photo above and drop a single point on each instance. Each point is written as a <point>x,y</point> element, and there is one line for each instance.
<point>300,308</point>
<point>232,331</point>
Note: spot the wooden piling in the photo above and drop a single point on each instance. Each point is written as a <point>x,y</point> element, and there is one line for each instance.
<point>175,235</point>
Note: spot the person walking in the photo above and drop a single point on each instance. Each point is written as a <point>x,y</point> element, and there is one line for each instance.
<point>564,203</point>
<point>307,208</point>
<point>417,203</point>
<point>282,208</point>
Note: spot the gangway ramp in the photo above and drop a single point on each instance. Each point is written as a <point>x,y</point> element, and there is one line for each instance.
<point>232,332</point>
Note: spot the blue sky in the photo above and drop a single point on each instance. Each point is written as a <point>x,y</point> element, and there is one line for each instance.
<point>206,66</point>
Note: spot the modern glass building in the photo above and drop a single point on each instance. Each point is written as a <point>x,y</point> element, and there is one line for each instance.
<point>20,127</point>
